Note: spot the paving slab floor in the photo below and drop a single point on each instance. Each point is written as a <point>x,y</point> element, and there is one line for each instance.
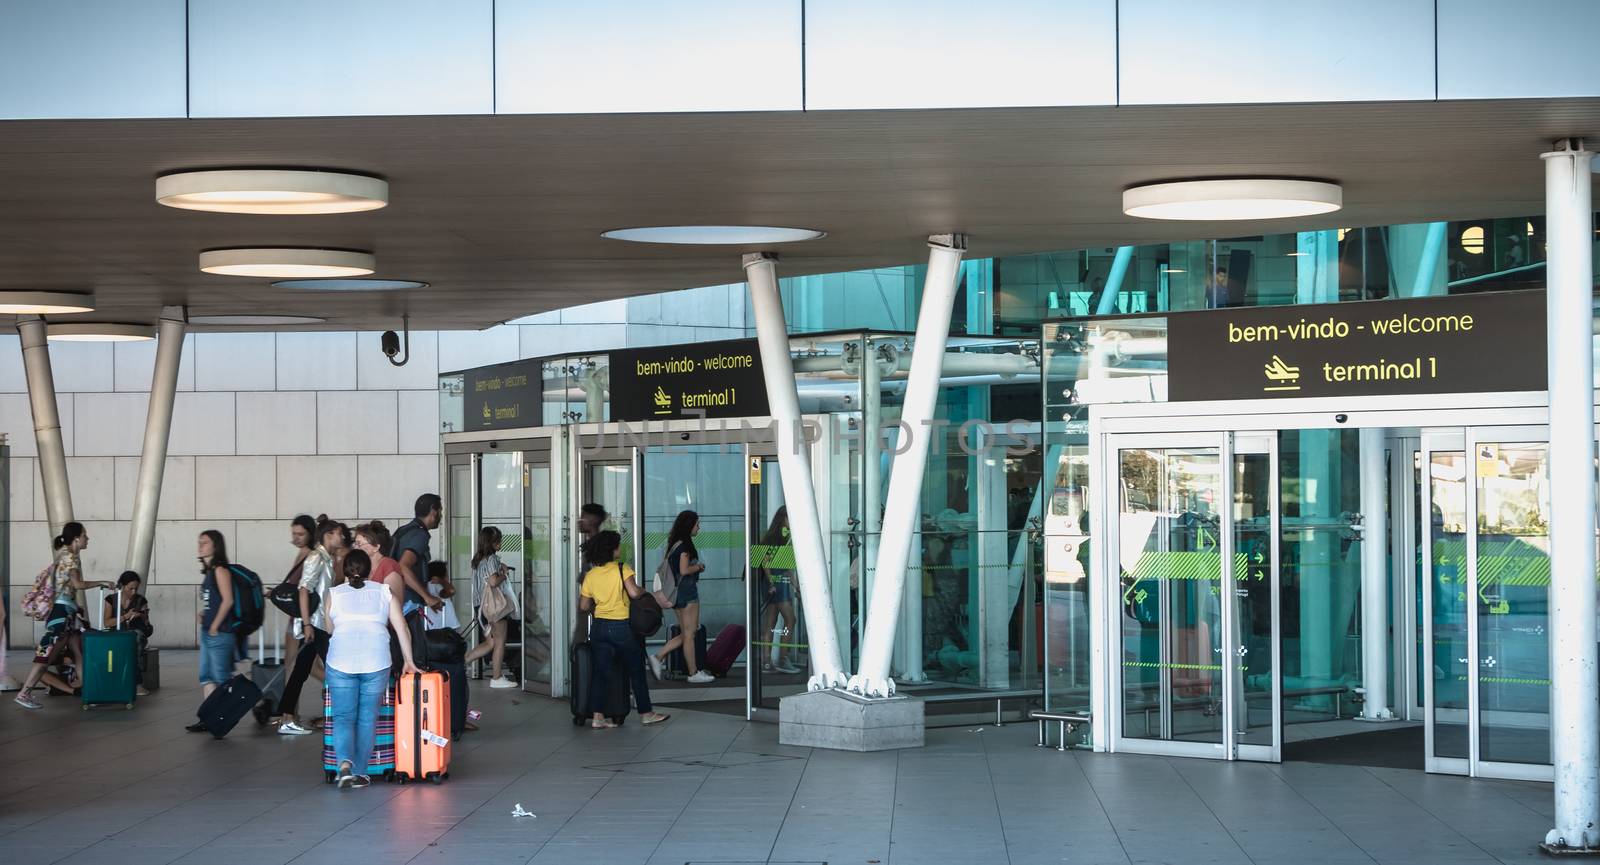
<point>132,788</point>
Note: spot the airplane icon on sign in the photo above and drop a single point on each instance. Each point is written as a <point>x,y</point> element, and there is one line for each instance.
<point>1283,376</point>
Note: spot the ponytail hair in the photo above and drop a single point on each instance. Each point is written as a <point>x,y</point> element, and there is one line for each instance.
<point>69,533</point>
<point>357,566</point>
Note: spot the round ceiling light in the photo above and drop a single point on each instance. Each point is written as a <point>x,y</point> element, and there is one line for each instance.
<point>288,262</point>
<point>44,302</point>
<point>259,320</point>
<point>99,332</point>
<point>349,284</point>
<point>273,191</point>
<point>721,235</point>
<point>1239,198</point>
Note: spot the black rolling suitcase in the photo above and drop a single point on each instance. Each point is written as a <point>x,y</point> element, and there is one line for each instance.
<point>230,702</point>
<point>616,704</point>
<point>458,695</point>
<point>676,664</point>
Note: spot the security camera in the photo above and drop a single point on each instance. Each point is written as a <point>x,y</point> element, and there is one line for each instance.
<point>1341,418</point>
<point>391,343</point>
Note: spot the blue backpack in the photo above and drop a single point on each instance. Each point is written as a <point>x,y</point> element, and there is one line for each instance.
<point>249,601</point>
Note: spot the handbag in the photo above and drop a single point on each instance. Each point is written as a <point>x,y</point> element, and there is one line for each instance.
<point>494,605</point>
<point>286,597</point>
<point>644,613</point>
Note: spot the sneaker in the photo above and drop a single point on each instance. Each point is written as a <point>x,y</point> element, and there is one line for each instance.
<point>290,728</point>
<point>655,666</point>
<point>502,682</point>
<point>361,781</point>
<point>785,667</point>
<point>702,678</point>
<point>28,702</point>
<point>141,691</point>
<point>345,779</point>
<point>197,727</point>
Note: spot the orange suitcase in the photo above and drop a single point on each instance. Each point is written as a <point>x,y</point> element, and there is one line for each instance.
<point>422,727</point>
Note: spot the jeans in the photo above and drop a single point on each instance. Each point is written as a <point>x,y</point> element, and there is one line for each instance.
<point>310,651</point>
<point>216,658</point>
<point>356,698</point>
<point>609,640</point>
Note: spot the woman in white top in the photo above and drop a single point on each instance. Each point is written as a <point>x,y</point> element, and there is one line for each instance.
<point>358,619</point>
<point>496,604</point>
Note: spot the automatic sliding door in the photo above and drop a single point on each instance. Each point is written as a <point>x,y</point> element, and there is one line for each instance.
<point>1254,593</point>
<point>1169,563</point>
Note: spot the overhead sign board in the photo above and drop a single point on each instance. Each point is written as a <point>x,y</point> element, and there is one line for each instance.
<point>707,379</point>
<point>1461,344</point>
<point>504,396</point>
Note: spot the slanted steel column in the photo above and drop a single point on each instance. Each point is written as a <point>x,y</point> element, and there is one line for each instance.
<point>157,429</point>
<point>1107,302</point>
<point>46,421</point>
<point>904,499</point>
<point>794,467</point>
<point>1374,577</point>
<point>1574,690</point>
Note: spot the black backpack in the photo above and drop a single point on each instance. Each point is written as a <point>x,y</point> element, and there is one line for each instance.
<point>249,602</point>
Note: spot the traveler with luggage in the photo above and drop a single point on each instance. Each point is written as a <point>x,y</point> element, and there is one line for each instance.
<point>303,537</point>
<point>135,617</point>
<point>216,617</point>
<point>683,561</point>
<point>57,592</point>
<point>607,591</point>
<point>496,604</point>
<point>316,577</point>
<point>358,617</point>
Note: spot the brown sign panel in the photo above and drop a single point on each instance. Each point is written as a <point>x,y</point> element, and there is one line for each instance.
<point>707,379</point>
<point>1462,344</point>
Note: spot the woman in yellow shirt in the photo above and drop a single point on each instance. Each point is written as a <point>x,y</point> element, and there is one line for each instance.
<point>607,587</point>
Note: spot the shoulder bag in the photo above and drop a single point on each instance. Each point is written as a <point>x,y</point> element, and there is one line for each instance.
<point>644,614</point>
<point>494,605</point>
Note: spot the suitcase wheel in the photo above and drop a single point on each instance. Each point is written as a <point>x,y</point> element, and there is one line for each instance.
<point>127,705</point>
<point>327,776</point>
<point>85,707</point>
<point>436,778</point>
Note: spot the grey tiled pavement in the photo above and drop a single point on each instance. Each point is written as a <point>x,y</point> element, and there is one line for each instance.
<point>131,788</point>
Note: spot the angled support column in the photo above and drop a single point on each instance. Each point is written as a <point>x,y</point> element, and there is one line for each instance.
<point>46,421</point>
<point>904,499</point>
<point>157,429</point>
<point>1107,303</point>
<point>794,467</point>
<point>1574,691</point>
<point>1374,577</point>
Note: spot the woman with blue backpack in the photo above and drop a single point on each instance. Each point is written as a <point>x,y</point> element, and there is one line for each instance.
<point>217,642</point>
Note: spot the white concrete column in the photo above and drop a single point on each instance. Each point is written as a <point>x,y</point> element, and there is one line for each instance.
<point>1574,690</point>
<point>157,429</point>
<point>1374,577</point>
<point>996,601</point>
<point>46,421</point>
<point>872,449</point>
<point>794,467</point>
<point>904,499</point>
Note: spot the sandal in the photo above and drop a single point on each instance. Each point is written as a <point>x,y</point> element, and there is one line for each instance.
<point>602,725</point>
<point>654,718</point>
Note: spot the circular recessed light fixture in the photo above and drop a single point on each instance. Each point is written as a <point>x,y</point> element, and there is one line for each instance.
<point>279,191</point>
<point>44,302</point>
<point>288,262</point>
<point>721,235</point>
<point>1239,198</point>
<point>349,284</point>
<point>99,332</point>
<point>265,319</point>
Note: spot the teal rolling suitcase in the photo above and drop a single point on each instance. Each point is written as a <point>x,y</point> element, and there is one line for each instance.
<point>110,661</point>
<point>110,665</point>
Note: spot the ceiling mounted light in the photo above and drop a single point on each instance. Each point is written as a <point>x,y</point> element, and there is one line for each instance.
<point>259,320</point>
<point>1239,198</point>
<point>99,332</point>
<point>272,191</point>
<point>287,262</point>
<point>44,302</point>
<point>720,235</point>
<point>349,284</point>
